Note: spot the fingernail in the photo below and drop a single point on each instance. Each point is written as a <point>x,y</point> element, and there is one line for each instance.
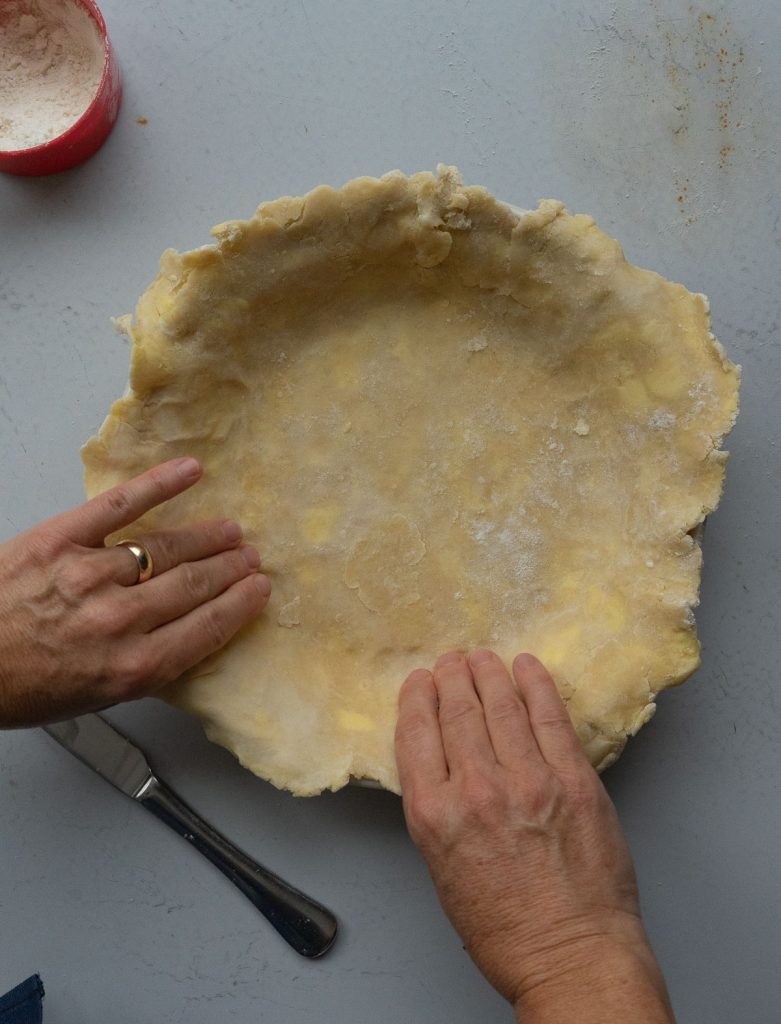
<point>188,468</point>
<point>263,585</point>
<point>480,657</point>
<point>449,659</point>
<point>251,557</point>
<point>231,531</point>
<point>419,675</point>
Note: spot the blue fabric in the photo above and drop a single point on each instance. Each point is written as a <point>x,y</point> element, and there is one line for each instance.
<point>23,1004</point>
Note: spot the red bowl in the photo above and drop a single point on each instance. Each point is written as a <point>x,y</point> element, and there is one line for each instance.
<point>85,136</point>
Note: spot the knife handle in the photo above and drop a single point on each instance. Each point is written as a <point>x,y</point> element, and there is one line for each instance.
<point>304,923</point>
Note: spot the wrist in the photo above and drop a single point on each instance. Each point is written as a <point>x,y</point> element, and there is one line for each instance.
<point>597,980</point>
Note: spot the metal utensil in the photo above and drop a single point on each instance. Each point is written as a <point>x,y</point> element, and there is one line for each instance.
<point>303,922</point>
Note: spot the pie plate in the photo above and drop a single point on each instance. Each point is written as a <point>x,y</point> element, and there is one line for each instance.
<point>446,423</point>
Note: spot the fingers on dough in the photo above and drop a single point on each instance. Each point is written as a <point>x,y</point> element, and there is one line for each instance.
<point>183,643</point>
<point>186,587</point>
<point>170,548</point>
<point>506,716</point>
<point>464,733</point>
<point>420,754</point>
<point>548,715</point>
<point>120,506</point>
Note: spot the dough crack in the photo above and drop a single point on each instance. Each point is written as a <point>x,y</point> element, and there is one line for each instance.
<point>382,564</point>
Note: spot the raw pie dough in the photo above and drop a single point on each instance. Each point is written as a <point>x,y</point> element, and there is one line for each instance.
<point>444,425</point>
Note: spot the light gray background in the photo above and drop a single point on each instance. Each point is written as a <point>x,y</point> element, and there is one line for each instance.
<point>658,117</point>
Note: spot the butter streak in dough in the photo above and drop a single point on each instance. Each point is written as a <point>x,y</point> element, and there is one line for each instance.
<point>444,425</point>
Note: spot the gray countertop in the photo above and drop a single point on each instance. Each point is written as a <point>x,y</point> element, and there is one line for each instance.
<point>661,119</point>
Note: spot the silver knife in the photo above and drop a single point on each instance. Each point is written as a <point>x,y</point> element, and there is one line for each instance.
<point>303,922</point>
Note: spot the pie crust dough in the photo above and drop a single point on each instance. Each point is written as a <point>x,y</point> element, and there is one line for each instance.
<point>444,425</point>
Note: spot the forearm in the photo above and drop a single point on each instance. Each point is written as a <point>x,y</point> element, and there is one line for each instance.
<point>620,986</point>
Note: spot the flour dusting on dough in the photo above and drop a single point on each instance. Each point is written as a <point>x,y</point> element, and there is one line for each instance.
<point>662,419</point>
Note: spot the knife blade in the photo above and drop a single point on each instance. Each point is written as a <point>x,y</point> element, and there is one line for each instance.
<point>308,926</point>
<point>98,745</point>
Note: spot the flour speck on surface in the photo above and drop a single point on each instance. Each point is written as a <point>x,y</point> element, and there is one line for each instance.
<point>662,419</point>
<point>51,62</point>
<point>477,344</point>
<point>582,428</point>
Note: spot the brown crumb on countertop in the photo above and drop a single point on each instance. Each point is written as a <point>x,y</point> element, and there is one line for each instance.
<point>142,120</point>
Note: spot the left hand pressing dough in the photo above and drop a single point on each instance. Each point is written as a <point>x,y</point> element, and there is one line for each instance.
<point>444,425</point>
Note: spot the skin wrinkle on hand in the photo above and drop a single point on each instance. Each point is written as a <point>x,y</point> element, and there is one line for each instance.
<point>297,357</point>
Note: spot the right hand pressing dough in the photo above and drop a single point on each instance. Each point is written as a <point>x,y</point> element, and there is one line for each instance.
<point>523,843</point>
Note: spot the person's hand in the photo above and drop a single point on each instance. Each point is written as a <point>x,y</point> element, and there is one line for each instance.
<point>523,843</point>
<point>76,635</point>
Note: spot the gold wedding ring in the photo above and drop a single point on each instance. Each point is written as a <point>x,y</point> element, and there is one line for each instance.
<point>143,559</point>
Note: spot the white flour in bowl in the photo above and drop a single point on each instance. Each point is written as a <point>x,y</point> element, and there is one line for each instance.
<point>51,62</point>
